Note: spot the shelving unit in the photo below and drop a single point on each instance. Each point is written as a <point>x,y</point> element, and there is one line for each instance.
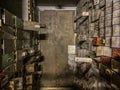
<point>101,30</point>
<point>17,44</point>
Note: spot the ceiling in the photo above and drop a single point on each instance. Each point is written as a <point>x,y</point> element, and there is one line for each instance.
<point>56,2</point>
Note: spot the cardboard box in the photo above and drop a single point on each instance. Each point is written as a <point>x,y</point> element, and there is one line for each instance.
<point>108,41</point>
<point>102,3</point>
<point>115,42</point>
<point>109,10</point>
<point>116,30</point>
<point>108,3</point>
<point>114,1</point>
<point>29,79</point>
<point>116,13</point>
<point>102,25</point>
<point>108,23</point>
<point>102,32</point>
<point>108,31</point>
<point>30,68</point>
<point>103,51</point>
<point>116,20</point>
<point>116,5</point>
<point>108,16</point>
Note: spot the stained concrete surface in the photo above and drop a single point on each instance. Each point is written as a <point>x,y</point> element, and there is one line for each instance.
<point>59,35</point>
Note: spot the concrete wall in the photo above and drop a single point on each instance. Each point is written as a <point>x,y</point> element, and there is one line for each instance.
<point>60,35</point>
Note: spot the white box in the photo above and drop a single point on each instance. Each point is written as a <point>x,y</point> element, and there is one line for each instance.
<point>71,49</point>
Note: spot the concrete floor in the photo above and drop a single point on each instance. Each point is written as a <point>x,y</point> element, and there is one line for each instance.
<point>55,88</point>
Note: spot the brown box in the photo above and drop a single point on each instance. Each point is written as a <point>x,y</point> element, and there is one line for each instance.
<point>116,30</point>
<point>29,88</point>
<point>29,79</point>
<point>30,68</point>
<point>115,42</point>
<point>108,31</point>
